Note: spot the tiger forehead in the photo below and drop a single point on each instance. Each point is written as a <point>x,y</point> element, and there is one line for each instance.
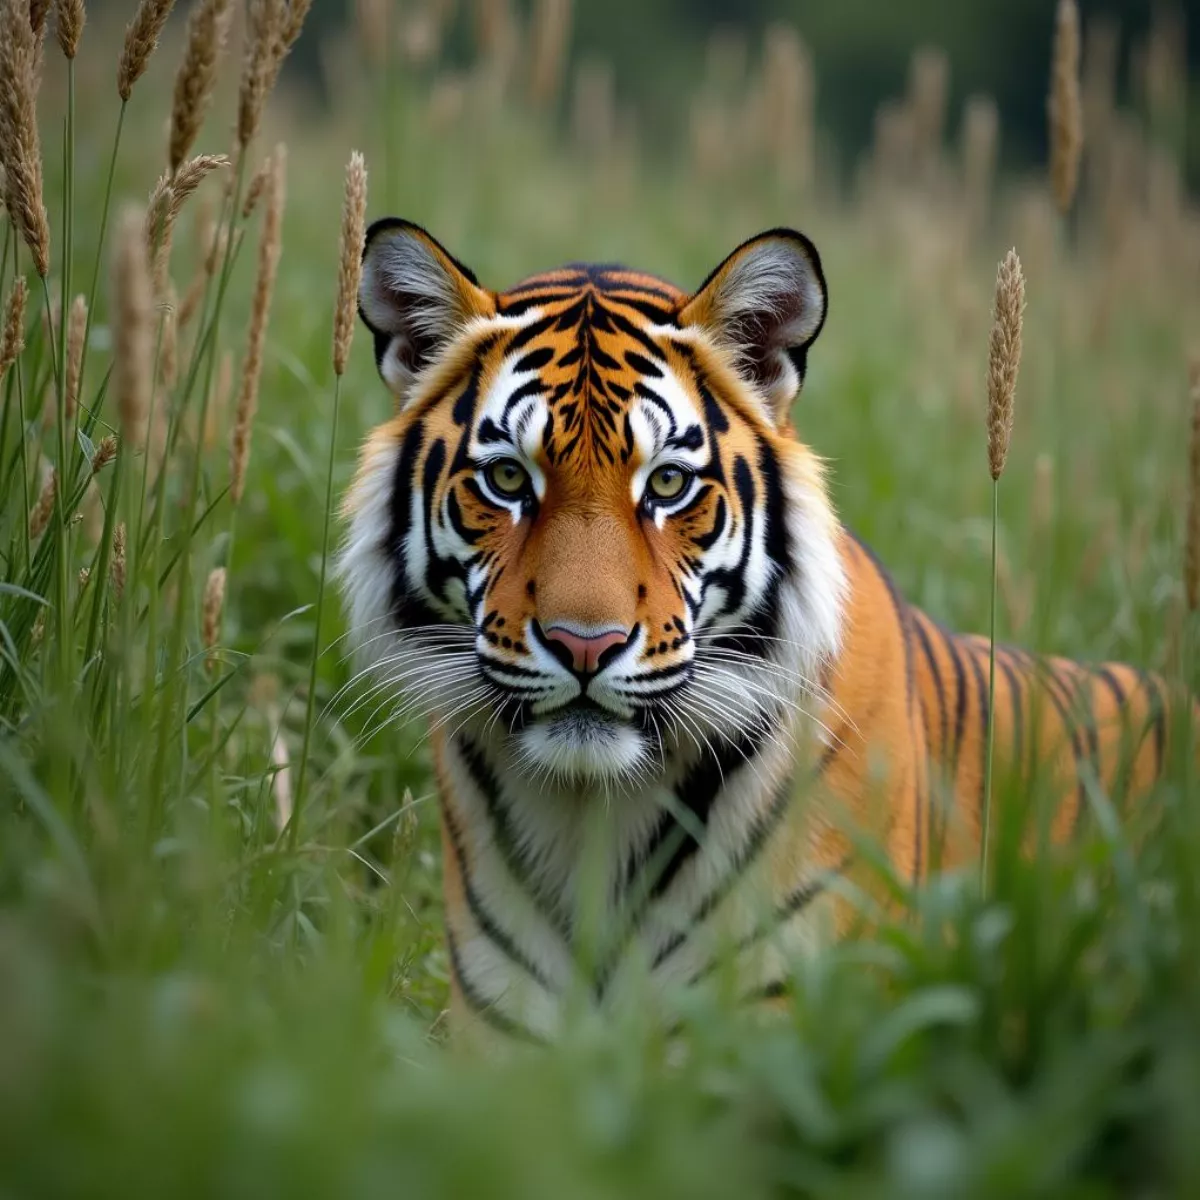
<point>593,341</point>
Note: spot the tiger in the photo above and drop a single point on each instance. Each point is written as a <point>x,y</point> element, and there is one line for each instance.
<point>667,688</point>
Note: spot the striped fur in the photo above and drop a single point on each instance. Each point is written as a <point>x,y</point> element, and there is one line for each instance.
<point>767,690</point>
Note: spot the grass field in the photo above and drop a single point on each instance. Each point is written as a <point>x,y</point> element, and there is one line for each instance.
<point>196,1002</point>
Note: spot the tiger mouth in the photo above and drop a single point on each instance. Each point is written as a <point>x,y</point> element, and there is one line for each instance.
<point>584,714</point>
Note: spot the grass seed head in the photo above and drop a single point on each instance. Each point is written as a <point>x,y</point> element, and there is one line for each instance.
<point>170,194</point>
<point>20,148</point>
<point>106,451</point>
<point>1065,107</point>
<point>39,518</point>
<point>213,606</point>
<point>273,27</point>
<point>270,243</point>
<point>77,321</point>
<point>141,40</point>
<point>12,341</point>
<point>69,19</point>
<point>354,219</point>
<point>132,327</point>
<point>257,186</point>
<point>1004,359</point>
<point>207,28</point>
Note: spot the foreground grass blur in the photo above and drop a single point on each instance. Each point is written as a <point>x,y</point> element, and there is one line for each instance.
<point>192,1004</point>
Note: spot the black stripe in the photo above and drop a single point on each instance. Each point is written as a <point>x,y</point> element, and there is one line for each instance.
<point>1039,673</point>
<point>486,922</point>
<point>960,698</point>
<point>1158,717</point>
<point>479,1004</point>
<point>798,899</point>
<point>934,670</point>
<point>516,859</point>
<point>901,610</point>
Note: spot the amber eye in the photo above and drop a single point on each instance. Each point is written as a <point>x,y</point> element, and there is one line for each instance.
<point>667,482</point>
<point>508,477</point>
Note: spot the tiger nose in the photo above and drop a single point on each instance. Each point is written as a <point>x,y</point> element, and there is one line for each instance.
<point>585,649</point>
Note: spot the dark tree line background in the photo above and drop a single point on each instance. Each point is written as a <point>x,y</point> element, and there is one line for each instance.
<point>860,48</point>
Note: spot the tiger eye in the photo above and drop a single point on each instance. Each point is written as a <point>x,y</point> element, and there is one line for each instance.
<point>667,482</point>
<point>508,477</point>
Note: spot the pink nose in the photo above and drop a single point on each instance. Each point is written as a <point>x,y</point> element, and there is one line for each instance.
<point>585,651</point>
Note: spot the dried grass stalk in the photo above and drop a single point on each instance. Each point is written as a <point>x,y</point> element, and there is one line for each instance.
<point>39,10</point>
<point>12,341</point>
<point>269,247</point>
<point>20,149</point>
<point>69,18</point>
<point>141,40</point>
<point>76,332</point>
<point>170,194</point>
<point>273,28</point>
<point>208,26</point>
<point>39,518</point>
<point>1065,107</point>
<point>132,327</point>
<point>354,220</point>
<point>257,185</point>
<point>1004,359</point>
<point>1192,551</point>
<point>214,603</point>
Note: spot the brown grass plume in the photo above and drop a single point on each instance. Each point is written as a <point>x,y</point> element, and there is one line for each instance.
<point>273,27</point>
<point>39,518</point>
<point>213,605</point>
<point>354,219</point>
<point>20,149</point>
<point>77,321</point>
<point>12,341</point>
<point>132,332</point>
<point>1065,107</point>
<point>141,40</point>
<point>208,25</point>
<point>69,19</point>
<point>1004,359</point>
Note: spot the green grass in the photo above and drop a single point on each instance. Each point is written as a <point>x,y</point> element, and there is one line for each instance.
<point>189,1006</point>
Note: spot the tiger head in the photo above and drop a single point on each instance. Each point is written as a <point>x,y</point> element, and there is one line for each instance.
<point>589,528</point>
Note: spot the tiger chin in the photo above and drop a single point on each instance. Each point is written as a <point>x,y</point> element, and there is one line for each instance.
<point>664,684</point>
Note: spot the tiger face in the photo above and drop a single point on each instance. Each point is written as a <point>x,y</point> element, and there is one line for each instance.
<point>589,530</point>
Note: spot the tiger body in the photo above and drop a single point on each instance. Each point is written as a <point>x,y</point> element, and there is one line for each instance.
<point>664,683</point>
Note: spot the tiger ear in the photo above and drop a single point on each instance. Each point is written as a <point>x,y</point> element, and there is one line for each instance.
<point>765,304</point>
<point>415,297</point>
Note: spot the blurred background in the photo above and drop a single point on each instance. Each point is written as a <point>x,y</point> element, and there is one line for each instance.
<point>192,1004</point>
<point>857,55</point>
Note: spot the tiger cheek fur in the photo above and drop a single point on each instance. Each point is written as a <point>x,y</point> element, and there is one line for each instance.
<point>660,675</point>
